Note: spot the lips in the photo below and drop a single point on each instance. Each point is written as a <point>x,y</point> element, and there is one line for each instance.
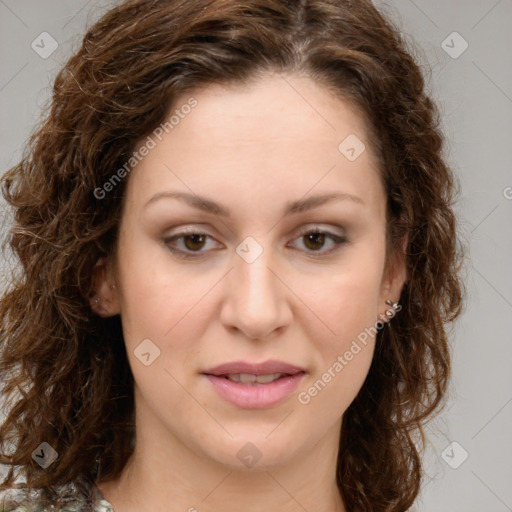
<point>272,366</point>
<point>237,382</point>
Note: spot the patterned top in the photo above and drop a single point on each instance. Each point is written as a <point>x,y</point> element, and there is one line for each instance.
<point>72,497</point>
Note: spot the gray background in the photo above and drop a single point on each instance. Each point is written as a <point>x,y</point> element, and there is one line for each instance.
<point>474,92</point>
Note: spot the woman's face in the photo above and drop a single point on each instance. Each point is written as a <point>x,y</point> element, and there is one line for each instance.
<point>242,282</point>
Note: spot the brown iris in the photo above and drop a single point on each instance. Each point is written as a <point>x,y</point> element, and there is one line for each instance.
<point>316,238</point>
<point>197,239</point>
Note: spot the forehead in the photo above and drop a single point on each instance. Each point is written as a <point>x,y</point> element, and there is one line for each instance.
<point>277,133</point>
<point>272,108</point>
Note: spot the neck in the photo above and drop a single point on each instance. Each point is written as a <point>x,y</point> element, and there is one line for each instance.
<point>174,478</point>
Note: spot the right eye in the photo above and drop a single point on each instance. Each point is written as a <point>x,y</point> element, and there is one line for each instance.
<point>191,243</point>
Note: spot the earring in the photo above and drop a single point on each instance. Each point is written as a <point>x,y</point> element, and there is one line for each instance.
<point>394,305</point>
<point>112,286</point>
<point>96,300</point>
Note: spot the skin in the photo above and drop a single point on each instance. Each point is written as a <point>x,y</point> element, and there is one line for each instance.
<point>253,149</point>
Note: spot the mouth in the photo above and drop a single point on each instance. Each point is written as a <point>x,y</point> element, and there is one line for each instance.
<point>249,391</point>
<point>255,385</point>
<point>248,379</point>
<point>246,372</point>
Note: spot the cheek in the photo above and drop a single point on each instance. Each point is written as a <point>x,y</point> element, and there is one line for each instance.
<point>157,298</point>
<point>161,304</point>
<point>346,305</point>
<point>347,300</point>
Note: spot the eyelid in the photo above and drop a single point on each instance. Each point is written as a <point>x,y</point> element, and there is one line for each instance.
<point>318,228</point>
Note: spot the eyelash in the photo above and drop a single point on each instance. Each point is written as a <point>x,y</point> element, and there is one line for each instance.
<point>338,241</point>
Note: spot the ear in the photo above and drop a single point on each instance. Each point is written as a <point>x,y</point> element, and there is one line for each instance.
<point>105,299</point>
<point>394,278</point>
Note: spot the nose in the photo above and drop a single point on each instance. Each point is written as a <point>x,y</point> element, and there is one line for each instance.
<point>256,301</point>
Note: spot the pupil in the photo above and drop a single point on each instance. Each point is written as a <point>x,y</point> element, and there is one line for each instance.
<point>319,238</point>
<point>195,238</point>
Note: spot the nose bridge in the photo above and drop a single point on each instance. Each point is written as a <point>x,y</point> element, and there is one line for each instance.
<point>254,302</point>
<point>256,276</point>
<point>255,280</point>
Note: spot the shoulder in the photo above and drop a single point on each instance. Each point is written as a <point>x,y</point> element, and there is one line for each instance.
<point>18,500</point>
<point>70,497</point>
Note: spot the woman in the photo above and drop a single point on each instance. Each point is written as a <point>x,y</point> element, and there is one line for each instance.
<point>238,256</point>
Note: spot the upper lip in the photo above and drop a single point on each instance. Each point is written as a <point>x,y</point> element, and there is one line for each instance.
<point>265,368</point>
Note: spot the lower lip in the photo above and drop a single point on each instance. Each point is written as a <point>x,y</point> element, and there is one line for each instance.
<point>257,396</point>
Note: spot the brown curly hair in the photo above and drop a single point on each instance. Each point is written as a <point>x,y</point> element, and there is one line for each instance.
<point>66,375</point>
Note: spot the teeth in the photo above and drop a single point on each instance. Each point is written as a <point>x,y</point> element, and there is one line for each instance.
<point>246,378</point>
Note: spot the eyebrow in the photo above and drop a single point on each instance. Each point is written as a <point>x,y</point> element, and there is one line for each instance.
<point>293,207</point>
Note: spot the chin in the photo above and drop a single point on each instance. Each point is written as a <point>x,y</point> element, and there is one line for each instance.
<point>251,452</point>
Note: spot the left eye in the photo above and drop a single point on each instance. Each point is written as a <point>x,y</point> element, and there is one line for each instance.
<point>194,242</point>
<point>315,238</point>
